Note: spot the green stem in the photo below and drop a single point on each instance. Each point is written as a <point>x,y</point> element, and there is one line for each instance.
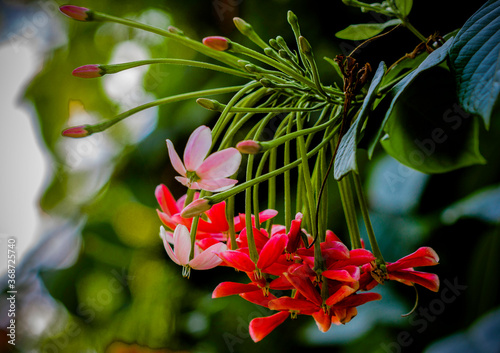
<point>224,57</point>
<point>366,217</point>
<point>350,212</point>
<point>252,248</point>
<point>230,221</point>
<point>413,30</point>
<point>287,187</point>
<point>221,196</point>
<point>108,123</point>
<point>115,68</point>
<point>194,228</point>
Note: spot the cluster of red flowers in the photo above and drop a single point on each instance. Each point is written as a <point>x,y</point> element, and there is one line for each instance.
<point>286,263</point>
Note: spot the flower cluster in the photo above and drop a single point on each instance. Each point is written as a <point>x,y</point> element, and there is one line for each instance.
<point>285,261</point>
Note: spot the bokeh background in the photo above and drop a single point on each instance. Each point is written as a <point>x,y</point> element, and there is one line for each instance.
<point>92,274</point>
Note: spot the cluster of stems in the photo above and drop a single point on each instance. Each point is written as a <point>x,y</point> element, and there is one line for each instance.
<point>283,97</point>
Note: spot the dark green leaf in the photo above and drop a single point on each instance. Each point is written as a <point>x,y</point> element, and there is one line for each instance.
<point>475,59</point>
<point>427,130</point>
<point>385,107</point>
<point>365,30</point>
<point>345,161</point>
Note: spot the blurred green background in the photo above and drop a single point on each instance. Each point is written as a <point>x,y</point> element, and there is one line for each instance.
<point>99,280</point>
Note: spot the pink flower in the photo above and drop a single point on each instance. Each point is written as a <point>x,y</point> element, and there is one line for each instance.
<point>201,172</point>
<point>202,260</point>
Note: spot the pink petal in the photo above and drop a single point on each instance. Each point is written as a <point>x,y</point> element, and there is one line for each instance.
<point>225,289</point>
<point>185,181</point>
<point>182,244</point>
<point>166,220</point>
<point>208,259</point>
<point>260,327</point>
<point>221,164</point>
<point>197,147</point>
<point>175,160</point>
<point>215,185</point>
<point>168,248</point>
<point>272,251</point>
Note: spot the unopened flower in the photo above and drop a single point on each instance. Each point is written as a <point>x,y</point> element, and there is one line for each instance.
<point>217,43</point>
<point>77,131</point>
<point>88,71</point>
<point>202,260</point>
<point>195,208</point>
<point>76,12</point>
<point>248,147</point>
<point>201,172</point>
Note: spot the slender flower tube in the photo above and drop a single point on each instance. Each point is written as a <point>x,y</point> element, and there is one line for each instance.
<point>248,147</point>
<point>201,172</point>
<point>196,208</point>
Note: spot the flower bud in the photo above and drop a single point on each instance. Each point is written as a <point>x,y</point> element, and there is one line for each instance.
<point>88,71</point>
<point>77,131</point>
<point>76,12</point>
<point>196,208</point>
<point>217,43</point>
<point>210,104</point>
<point>248,147</point>
<point>243,26</point>
<point>304,45</point>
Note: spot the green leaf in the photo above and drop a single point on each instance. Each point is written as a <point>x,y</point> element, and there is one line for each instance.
<point>475,59</point>
<point>427,130</point>
<point>383,110</point>
<point>404,7</point>
<point>345,160</point>
<point>365,30</point>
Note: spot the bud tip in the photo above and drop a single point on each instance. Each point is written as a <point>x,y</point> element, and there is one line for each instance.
<point>216,43</point>
<point>75,12</point>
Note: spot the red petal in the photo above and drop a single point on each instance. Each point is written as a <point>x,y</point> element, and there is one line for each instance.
<point>262,326</point>
<point>330,236</point>
<point>218,222</point>
<point>424,256</point>
<point>348,274</point>
<point>272,251</point>
<point>238,260</point>
<point>358,299</point>
<point>323,320</point>
<point>225,289</point>
<point>166,200</point>
<point>259,237</point>
<point>340,294</point>
<point>294,235</point>
<point>427,280</point>
<point>286,304</point>
<point>305,287</point>
<point>258,297</point>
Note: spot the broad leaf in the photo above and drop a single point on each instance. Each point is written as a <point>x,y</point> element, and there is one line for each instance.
<point>385,107</point>
<point>365,30</point>
<point>427,130</point>
<point>475,59</point>
<point>345,160</point>
<point>404,6</point>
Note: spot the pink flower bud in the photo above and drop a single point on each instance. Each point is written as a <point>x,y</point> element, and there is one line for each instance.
<point>217,43</point>
<point>248,147</point>
<point>196,208</point>
<point>88,71</point>
<point>76,12</point>
<point>76,131</point>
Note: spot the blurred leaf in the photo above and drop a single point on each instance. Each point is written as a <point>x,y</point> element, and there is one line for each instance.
<point>484,204</point>
<point>345,160</point>
<point>365,30</point>
<point>420,133</point>
<point>475,59</point>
